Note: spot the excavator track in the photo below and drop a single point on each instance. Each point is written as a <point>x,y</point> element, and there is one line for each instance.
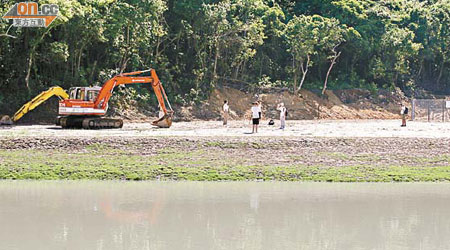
<point>89,122</point>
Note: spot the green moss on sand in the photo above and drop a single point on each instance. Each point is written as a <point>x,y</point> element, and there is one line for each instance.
<point>195,165</point>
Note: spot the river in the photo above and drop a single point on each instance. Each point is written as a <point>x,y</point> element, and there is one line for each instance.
<point>229,215</point>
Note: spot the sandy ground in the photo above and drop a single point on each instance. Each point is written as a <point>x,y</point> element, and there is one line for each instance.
<point>295,129</point>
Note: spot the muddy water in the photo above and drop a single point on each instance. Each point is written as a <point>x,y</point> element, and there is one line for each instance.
<point>155,215</point>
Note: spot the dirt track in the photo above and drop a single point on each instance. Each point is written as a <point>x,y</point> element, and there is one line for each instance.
<point>295,129</point>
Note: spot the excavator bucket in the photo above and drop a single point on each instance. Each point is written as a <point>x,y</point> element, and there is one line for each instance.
<point>6,120</point>
<point>163,122</point>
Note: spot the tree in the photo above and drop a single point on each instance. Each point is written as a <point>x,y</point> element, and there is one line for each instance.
<point>197,44</point>
<point>440,34</point>
<point>399,49</point>
<point>235,26</point>
<point>332,35</point>
<point>136,31</point>
<point>301,35</point>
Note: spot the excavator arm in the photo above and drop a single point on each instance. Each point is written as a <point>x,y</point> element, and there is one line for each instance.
<point>38,100</point>
<point>137,77</point>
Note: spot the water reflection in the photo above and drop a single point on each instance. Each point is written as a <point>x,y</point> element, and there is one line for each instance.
<point>115,215</point>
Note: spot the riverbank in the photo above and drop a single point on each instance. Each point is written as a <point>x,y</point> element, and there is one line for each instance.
<point>226,158</point>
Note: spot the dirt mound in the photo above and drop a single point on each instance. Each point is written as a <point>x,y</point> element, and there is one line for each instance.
<point>339,104</point>
<point>5,120</point>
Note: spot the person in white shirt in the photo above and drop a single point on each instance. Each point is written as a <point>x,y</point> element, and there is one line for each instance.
<point>404,113</point>
<point>282,110</point>
<point>225,110</point>
<point>256,115</point>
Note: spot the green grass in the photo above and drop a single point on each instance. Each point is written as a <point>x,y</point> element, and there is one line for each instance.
<point>198,165</point>
<point>347,157</point>
<point>221,144</point>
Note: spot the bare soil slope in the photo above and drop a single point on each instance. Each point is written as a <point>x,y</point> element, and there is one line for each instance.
<point>342,104</point>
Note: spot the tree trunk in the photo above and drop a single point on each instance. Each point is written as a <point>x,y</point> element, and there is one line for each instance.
<point>441,71</point>
<point>261,62</point>
<point>30,64</point>
<point>236,72</point>
<point>91,77</point>
<point>125,57</point>
<point>294,68</point>
<point>6,33</point>
<point>304,72</point>
<point>394,83</point>
<point>216,58</point>
<point>79,59</point>
<point>31,58</point>
<point>124,65</point>
<point>158,42</point>
<point>243,68</point>
<point>420,70</point>
<point>333,62</point>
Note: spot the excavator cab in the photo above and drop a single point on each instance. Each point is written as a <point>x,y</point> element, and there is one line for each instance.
<point>84,93</point>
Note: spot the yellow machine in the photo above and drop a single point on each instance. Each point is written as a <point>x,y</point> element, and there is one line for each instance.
<point>42,97</point>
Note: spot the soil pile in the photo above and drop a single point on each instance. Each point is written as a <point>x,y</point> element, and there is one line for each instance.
<point>5,120</point>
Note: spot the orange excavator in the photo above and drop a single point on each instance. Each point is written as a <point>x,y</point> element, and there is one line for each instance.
<point>86,105</point>
<point>83,107</point>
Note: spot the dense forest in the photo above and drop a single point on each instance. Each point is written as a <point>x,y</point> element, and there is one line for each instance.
<point>198,45</point>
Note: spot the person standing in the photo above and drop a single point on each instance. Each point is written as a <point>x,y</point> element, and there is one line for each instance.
<point>404,113</point>
<point>225,110</point>
<point>282,110</point>
<point>256,115</point>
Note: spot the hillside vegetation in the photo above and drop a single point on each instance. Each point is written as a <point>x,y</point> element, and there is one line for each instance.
<point>199,45</point>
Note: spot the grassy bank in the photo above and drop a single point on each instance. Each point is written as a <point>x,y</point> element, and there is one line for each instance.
<point>99,162</point>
